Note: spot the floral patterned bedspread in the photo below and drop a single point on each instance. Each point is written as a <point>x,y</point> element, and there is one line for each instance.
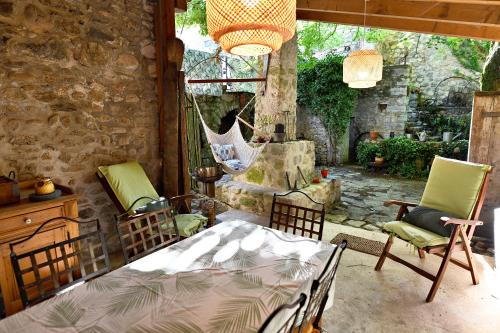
<point>228,278</point>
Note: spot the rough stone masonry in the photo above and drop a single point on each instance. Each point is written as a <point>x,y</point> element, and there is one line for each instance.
<point>77,90</point>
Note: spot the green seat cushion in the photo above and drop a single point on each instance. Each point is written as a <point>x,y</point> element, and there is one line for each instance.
<point>417,236</point>
<point>454,186</point>
<point>129,182</point>
<point>189,224</point>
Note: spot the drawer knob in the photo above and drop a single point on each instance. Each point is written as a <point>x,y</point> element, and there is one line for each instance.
<point>28,221</point>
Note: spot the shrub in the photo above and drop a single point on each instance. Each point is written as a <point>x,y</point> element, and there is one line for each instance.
<point>401,154</point>
<point>366,152</point>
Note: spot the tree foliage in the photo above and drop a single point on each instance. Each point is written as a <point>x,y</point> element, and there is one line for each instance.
<point>321,90</point>
<point>194,16</point>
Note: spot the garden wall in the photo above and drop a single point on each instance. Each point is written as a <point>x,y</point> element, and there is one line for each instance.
<point>384,107</point>
<point>77,91</point>
<point>491,74</point>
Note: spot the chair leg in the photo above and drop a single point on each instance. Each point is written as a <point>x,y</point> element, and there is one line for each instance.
<point>421,254</point>
<point>469,256</point>
<point>387,247</point>
<point>444,265</point>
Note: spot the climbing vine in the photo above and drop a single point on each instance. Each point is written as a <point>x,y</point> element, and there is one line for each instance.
<point>321,90</point>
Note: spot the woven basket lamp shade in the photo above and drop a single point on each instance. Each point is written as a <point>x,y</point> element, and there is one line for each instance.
<point>251,27</point>
<point>363,68</point>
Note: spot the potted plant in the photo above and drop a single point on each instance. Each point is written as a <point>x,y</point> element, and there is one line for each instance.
<point>324,173</point>
<point>373,135</point>
<point>379,159</point>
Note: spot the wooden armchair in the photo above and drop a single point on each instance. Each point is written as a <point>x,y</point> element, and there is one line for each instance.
<point>129,188</point>
<point>458,189</point>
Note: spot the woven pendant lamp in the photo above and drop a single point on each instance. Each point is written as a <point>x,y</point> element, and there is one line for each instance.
<point>251,27</point>
<point>363,68</point>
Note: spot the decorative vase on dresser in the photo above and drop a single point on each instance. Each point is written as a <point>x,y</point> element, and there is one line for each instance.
<point>19,220</point>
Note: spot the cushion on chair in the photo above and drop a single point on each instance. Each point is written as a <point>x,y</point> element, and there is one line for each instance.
<point>189,224</point>
<point>417,236</point>
<point>453,186</point>
<point>129,182</point>
<point>429,219</point>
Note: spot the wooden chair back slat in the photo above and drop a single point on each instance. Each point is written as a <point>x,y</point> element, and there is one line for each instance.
<point>64,269</point>
<point>303,221</point>
<point>145,233</point>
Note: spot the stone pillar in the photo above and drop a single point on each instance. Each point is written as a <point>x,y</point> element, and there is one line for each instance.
<point>281,92</point>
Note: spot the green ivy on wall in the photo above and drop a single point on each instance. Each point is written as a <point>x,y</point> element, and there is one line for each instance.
<point>321,90</point>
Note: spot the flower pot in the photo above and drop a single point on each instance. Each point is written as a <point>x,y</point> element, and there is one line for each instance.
<point>379,160</point>
<point>324,173</point>
<point>374,135</point>
<point>447,137</point>
<point>315,180</point>
<point>419,163</point>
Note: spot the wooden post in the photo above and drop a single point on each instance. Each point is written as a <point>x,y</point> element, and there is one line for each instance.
<point>169,53</point>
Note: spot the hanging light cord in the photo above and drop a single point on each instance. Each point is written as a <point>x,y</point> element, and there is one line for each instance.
<point>364,27</point>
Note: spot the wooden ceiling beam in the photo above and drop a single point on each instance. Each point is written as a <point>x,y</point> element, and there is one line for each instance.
<point>404,24</point>
<point>467,13</point>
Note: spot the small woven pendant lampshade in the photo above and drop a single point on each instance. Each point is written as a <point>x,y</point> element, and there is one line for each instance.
<point>251,27</point>
<point>363,68</point>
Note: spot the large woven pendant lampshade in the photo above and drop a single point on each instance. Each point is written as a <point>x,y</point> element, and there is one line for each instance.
<point>251,27</point>
<point>363,68</point>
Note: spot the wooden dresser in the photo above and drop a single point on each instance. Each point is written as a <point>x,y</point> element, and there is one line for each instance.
<point>20,220</point>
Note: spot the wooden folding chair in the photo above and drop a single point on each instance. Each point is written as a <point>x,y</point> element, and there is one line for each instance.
<point>44,272</point>
<point>146,233</point>
<point>458,188</point>
<point>283,319</point>
<point>299,220</point>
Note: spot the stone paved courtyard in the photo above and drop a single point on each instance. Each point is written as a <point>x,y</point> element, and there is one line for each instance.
<point>363,195</point>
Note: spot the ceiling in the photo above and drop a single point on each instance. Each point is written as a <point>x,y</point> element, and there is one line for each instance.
<point>478,19</point>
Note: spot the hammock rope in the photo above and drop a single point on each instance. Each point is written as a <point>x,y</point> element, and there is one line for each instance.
<point>245,153</point>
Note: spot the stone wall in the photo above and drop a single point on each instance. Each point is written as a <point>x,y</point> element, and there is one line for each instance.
<point>214,109</point>
<point>77,91</point>
<point>310,127</point>
<point>280,93</point>
<point>429,65</point>
<point>384,107</point>
<point>278,158</point>
<point>491,75</point>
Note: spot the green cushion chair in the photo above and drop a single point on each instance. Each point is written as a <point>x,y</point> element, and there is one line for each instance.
<point>456,188</point>
<point>129,187</point>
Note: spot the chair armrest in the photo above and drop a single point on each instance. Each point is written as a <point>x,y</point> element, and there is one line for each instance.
<point>399,203</point>
<point>448,220</point>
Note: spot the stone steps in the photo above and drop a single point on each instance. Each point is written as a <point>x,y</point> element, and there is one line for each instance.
<point>258,199</point>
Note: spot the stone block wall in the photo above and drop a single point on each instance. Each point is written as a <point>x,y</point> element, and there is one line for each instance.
<point>392,91</point>
<point>278,158</point>
<point>77,91</point>
<point>280,92</point>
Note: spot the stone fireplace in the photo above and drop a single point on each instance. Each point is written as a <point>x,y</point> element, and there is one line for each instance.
<point>275,103</point>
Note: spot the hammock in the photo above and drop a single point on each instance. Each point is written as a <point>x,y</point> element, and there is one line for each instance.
<point>244,154</point>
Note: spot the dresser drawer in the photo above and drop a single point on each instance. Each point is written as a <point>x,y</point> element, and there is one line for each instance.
<point>29,220</point>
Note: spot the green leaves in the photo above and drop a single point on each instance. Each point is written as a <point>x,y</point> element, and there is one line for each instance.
<point>321,90</point>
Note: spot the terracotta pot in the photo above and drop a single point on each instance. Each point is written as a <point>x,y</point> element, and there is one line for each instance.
<point>379,160</point>
<point>315,180</point>
<point>324,173</point>
<point>374,135</point>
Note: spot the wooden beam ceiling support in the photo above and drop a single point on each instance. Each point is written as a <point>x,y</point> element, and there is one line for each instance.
<point>169,54</point>
<point>467,18</point>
